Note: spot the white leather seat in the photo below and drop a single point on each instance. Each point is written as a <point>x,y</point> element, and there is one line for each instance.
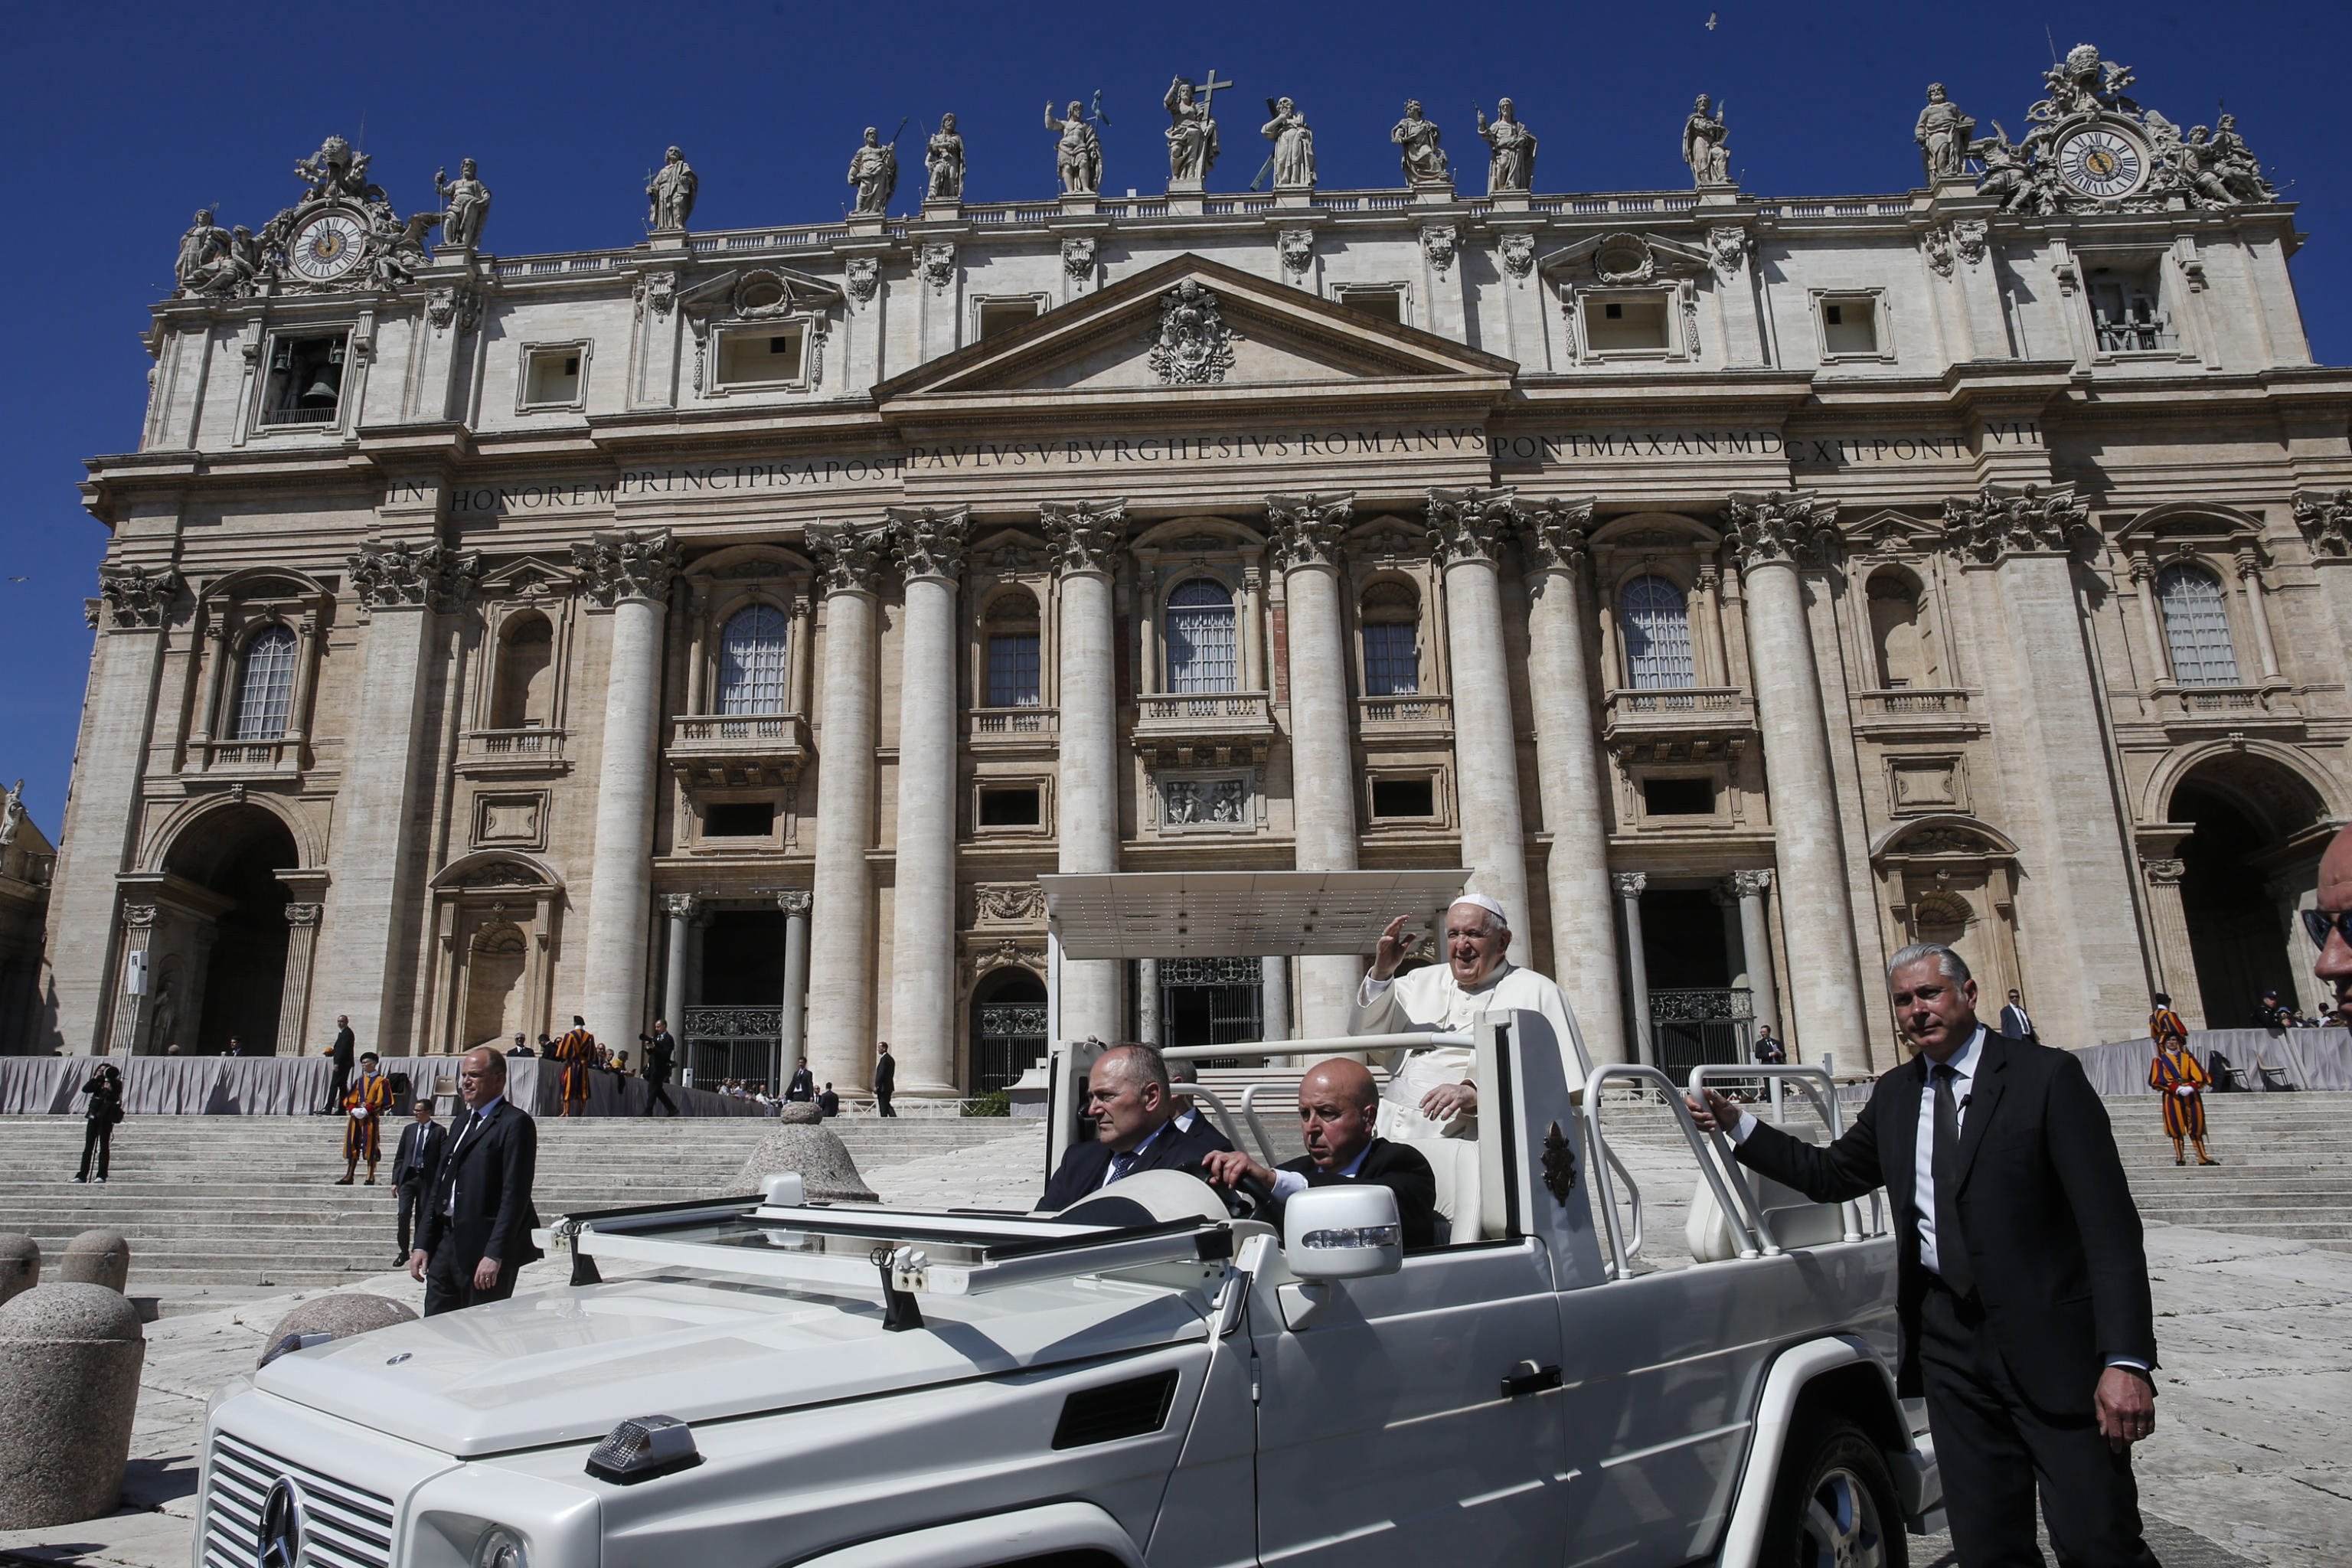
<point>1790,1219</point>
<point>1454,1162</point>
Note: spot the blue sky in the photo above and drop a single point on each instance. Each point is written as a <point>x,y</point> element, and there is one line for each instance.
<point>120,120</point>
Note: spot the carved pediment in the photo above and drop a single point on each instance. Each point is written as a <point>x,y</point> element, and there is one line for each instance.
<point>1891,533</point>
<point>758,294</point>
<point>1625,258</point>
<point>526,577</point>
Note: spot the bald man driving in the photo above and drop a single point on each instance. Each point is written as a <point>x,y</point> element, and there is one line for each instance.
<point>1338,1101</point>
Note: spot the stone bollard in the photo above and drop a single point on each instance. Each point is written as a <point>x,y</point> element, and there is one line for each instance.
<point>20,1264</point>
<point>69,1360</point>
<point>800,1141</point>
<point>96,1258</point>
<point>338,1316</point>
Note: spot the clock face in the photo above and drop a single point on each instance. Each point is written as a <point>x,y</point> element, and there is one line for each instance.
<point>329,246</point>
<point>2101,161</point>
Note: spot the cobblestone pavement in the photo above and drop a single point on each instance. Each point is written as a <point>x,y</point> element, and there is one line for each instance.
<point>2252,1463</point>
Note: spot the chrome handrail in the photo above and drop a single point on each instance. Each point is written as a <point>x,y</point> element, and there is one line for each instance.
<point>1751,1245</point>
<point>1820,1089</point>
<point>1257,1128</point>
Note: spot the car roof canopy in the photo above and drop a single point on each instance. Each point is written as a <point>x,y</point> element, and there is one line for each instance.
<point>1238,914</point>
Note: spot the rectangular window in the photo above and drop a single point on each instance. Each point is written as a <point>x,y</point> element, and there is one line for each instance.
<point>2127,310</point>
<point>1013,669</point>
<point>759,357</point>
<point>1626,325</point>
<point>1388,304</point>
<point>1850,326</point>
<point>739,819</point>
<point>1404,797</point>
<point>1678,797</point>
<point>1009,807</point>
<point>306,381</point>
<point>1391,660</point>
<point>551,377</point>
<point>1003,315</point>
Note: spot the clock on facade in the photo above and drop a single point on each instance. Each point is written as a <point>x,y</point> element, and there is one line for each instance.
<point>328,246</point>
<point>2102,162</point>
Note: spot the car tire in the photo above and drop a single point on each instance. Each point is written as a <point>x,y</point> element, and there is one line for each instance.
<point>1833,1504</point>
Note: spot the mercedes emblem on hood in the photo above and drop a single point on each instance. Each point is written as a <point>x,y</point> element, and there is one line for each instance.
<point>279,1544</point>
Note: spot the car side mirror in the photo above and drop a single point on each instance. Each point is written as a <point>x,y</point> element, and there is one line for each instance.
<point>1349,1232</point>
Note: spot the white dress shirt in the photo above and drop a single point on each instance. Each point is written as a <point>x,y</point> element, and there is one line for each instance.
<point>449,1209</point>
<point>1289,1184</point>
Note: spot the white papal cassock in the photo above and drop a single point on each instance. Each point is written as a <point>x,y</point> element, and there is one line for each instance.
<point>1431,999</point>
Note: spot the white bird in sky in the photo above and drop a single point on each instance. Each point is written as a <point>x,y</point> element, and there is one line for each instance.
<point>1710,21</point>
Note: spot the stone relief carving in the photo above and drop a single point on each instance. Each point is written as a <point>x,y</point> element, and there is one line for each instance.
<point>1968,238</point>
<point>1629,884</point>
<point>1438,241</point>
<point>1204,803</point>
<point>2001,521</point>
<point>1084,536</point>
<point>1555,535</point>
<point>1935,245</point>
<point>1730,245</point>
<point>669,193</point>
<point>1423,160</point>
<point>874,174</point>
<point>1791,526</point>
<point>658,292</point>
<point>1748,884</point>
<point>2164,872</point>
<point>943,164</point>
<point>1296,248</point>
<point>1470,524</point>
<point>1944,135</point>
<point>1191,130</point>
<point>796,902</point>
<point>1707,145</point>
<point>399,573</point>
<point>466,204</point>
<point>849,556</point>
<point>1006,954</point>
<point>137,596</point>
<point>342,233</point>
<point>862,277</point>
<point>1008,902</point>
<point>1192,346</point>
<point>1294,147</point>
<point>1308,528</point>
<point>1516,252</point>
<point>2326,522</point>
<point>928,543</point>
<point>1078,257</point>
<point>937,263</point>
<point>216,261</point>
<point>1510,150</point>
<point>12,814</point>
<point>626,566</point>
<point>1078,157</point>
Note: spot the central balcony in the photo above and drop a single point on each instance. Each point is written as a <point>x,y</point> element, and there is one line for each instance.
<point>1406,716</point>
<point>1915,711</point>
<point>1027,728</point>
<point>519,753</point>
<point>1217,727</point>
<point>1681,723</point>
<point>738,750</point>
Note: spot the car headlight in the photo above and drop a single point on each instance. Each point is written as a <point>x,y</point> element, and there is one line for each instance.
<point>501,1548</point>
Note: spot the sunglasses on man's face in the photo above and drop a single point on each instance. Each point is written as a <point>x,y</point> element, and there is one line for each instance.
<point>2320,922</point>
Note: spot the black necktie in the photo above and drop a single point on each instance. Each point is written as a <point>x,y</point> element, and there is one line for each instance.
<point>1951,1246</point>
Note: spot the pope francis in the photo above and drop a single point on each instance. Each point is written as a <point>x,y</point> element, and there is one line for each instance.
<point>1434,1082</point>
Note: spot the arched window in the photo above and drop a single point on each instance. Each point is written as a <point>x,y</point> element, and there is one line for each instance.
<point>1656,620</point>
<point>752,661</point>
<point>2196,627</point>
<point>1012,663</point>
<point>1391,618</point>
<point>1200,649</point>
<point>265,687</point>
<point>526,674</point>
<point>1896,632</point>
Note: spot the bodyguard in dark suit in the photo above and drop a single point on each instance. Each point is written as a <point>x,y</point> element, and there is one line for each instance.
<point>1134,1109</point>
<point>2022,1287</point>
<point>479,1217</point>
<point>414,1166</point>
<point>343,1055</point>
<point>2016,1023</point>
<point>661,1052</point>
<point>1339,1104</point>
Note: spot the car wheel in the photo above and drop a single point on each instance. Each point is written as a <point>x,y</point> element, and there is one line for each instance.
<point>1834,1505</point>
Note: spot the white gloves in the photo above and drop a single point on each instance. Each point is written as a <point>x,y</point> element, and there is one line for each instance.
<point>2184,1090</point>
<point>360,1112</point>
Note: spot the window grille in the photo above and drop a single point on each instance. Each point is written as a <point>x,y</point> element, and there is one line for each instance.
<point>1656,621</point>
<point>1201,651</point>
<point>1392,618</point>
<point>752,661</point>
<point>1013,669</point>
<point>2196,627</point>
<point>265,693</point>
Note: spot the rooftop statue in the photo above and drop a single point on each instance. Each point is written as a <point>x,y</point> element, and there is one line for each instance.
<point>1294,146</point>
<point>1193,130</point>
<point>1424,160</point>
<point>874,170</point>
<point>467,206</point>
<point>669,194</point>
<point>335,169</point>
<point>943,162</point>
<point>1510,150</point>
<point>1706,146</point>
<point>1078,157</point>
<point>1944,135</point>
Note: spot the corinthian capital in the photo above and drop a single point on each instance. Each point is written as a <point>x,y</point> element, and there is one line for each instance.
<point>1471,525</point>
<point>849,556</point>
<point>2326,522</point>
<point>1779,528</point>
<point>404,575</point>
<point>1085,535</point>
<point>793,901</point>
<point>930,543</point>
<point>1629,884</point>
<point>626,566</point>
<point>1308,528</point>
<point>2001,521</point>
<point>1555,535</point>
<point>137,596</point>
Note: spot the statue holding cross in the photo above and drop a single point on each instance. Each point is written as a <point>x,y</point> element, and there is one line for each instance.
<point>1193,130</point>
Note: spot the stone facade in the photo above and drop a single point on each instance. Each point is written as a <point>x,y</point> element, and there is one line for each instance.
<point>1740,586</point>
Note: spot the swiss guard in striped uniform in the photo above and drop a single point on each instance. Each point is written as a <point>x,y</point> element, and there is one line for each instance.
<point>2181,1078</point>
<point>364,1107</point>
<point>575,1050</point>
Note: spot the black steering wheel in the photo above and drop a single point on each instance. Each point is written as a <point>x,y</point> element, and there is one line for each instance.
<point>1248,1198</point>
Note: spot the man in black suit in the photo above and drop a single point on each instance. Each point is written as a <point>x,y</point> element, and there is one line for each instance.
<point>661,1051</point>
<point>2016,1023</point>
<point>414,1167</point>
<point>804,1083</point>
<point>1134,1109</point>
<point>479,1219</point>
<point>343,1053</point>
<point>828,1103</point>
<point>2021,1284</point>
<point>1339,1105</point>
<point>886,1078</point>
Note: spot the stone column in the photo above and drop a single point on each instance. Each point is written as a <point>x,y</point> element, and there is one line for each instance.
<point>1146,1000</point>
<point>1570,778</point>
<point>2151,623</point>
<point>792,1024</point>
<point>294,999</point>
<point>841,945</point>
<point>1466,529</point>
<point>2250,583</point>
<point>929,548</point>
<point>1306,530</point>
<point>1769,532</point>
<point>2326,518</point>
<point>130,1009</point>
<point>2175,960</point>
<point>1086,538</point>
<point>367,937</point>
<point>1628,886</point>
<point>680,909</point>
<point>630,574</point>
<point>97,843</point>
<point>1747,889</point>
<point>1274,998</point>
<point>1253,630</point>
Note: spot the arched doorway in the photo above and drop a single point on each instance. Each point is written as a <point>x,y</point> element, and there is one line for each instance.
<point>1008,1029</point>
<point>2257,833</point>
<point>240,953</point>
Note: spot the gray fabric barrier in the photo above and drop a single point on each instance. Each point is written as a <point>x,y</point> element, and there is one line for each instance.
<point>2308,1058</point>
<point>295,1086</point>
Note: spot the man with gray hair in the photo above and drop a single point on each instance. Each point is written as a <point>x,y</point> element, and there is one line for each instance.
<point>1133,1106</point>
<point>2021,1284</point>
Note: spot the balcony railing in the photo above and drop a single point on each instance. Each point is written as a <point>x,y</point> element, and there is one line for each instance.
<point>532,748</point>
<point>1188,725</point>
<point>237,757</point>
<point>739,748</point>
<point>2198,705</point>
<point>1412,710</point>
<point>1677,723</point>
<point>1674,701</point>
<point>1913,704</point>
<point>1014,723</point>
